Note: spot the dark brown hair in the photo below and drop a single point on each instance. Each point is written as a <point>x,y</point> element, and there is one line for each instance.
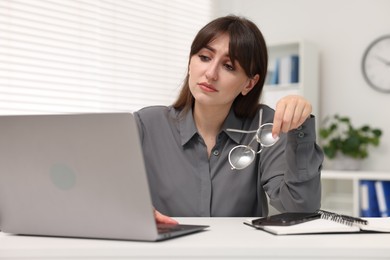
<point>247,47</point>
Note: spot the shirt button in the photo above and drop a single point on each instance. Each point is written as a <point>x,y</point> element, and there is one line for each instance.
<point>216,152</point>
<point>299,127</point>
<point>301,134</point>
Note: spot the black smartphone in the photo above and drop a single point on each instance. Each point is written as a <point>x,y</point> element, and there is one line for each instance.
<point>286,219</point>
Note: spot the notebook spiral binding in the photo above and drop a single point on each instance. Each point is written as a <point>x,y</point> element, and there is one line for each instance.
<point>344,219</point>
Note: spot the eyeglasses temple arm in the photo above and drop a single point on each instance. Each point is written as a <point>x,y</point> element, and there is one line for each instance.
<point>241,131</point>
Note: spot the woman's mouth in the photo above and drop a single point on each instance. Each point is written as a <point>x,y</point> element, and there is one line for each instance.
<point>207,87</point>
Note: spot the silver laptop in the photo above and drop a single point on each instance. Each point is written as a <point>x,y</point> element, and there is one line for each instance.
<point>78,175</point>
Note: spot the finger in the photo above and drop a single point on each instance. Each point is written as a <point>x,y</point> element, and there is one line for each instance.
<point>307,112</point>
<point>297,119</point>
<point>303,112</point>
<point>278,118</point>
<point>162,219</point>
<point>288,115</point>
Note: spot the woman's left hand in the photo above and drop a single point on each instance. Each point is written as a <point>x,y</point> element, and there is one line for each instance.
<point>163,219</point>
<point>291,111</point>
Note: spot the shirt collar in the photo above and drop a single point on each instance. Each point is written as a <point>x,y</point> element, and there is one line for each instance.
<point>233,122</point>
<point>187,126</point>
<point>188,129</point>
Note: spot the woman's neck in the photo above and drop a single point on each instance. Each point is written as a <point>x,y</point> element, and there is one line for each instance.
<point>208,121</point>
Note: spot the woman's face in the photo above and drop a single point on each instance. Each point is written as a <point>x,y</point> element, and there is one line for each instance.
<point>213,79</point>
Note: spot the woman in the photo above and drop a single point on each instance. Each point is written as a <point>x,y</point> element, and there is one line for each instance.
<point>186,145</point>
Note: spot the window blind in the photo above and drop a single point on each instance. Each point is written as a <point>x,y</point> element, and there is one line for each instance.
<point>94,55</point>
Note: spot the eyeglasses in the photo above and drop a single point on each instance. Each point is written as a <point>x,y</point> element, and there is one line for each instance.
<point>241,156</point>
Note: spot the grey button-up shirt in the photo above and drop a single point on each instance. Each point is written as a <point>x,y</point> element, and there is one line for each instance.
<point>184,182</point>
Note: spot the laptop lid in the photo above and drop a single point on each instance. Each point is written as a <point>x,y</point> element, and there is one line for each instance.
<point>77,175</point>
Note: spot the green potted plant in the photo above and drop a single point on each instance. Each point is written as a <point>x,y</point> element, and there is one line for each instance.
<point>340,138</point>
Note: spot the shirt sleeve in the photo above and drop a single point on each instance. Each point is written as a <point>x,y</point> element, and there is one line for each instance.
<point>291,173</point>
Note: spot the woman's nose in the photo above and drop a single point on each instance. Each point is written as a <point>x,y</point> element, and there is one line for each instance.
<point>212,71</point>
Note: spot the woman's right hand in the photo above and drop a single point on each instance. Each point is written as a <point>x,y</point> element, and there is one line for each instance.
<point>162,219</point>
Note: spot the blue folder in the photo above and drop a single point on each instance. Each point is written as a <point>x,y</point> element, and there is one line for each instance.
<point>368,200</point>
<point>383,196</point>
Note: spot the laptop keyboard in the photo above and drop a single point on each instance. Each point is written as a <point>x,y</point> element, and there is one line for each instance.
<point>162,228</point>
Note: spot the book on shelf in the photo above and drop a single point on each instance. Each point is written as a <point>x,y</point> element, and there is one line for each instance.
<point>382,189</point>
<point>288,72</point>
<point>368,199</point>
<point>285,70</point>
<point>294,69</point>
<point>325,222</point>
<point>274,78</point>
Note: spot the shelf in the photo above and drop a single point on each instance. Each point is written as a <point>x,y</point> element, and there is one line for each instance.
<point>308,67</point>
<point>282,87</point>
<point>355,175</point>
<point>340,189</point>
<point>340,203</point>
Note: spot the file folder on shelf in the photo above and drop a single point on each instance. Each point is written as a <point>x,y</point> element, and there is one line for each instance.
<point>383,196</point>
<point>368,199</point>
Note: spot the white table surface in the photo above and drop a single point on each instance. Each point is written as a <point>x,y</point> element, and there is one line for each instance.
<point>227,238</point>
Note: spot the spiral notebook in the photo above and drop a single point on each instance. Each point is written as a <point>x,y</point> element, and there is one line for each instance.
<point>326,222</point>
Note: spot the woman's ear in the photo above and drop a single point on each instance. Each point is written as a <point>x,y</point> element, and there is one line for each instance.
<point>250,84</point>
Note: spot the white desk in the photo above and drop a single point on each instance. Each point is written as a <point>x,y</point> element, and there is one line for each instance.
<point>227,238</point>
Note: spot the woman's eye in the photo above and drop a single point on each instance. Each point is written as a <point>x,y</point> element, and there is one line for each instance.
<point>229,67</point>
<point>204,58</point>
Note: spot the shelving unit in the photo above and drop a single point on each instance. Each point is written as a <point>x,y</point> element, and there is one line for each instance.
<point>340,189</point>
<point>308,73</point>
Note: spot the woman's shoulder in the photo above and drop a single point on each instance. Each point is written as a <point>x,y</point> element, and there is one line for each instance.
<point>268,113</point>
<point>153,113</point>
<point>266,109</point>
<point>152,110</point>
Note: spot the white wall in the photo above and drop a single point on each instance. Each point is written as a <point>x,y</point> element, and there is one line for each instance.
<point>342,29</point>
